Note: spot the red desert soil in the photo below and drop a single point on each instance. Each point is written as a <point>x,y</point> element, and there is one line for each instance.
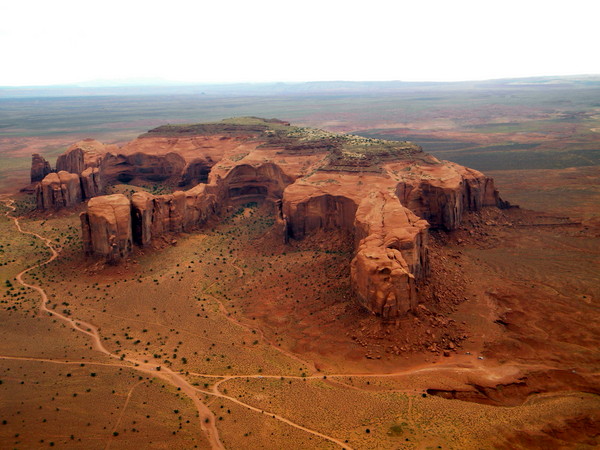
<point>487,302</point>
<point>266,343</point>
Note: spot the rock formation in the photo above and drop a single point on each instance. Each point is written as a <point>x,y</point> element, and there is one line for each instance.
<point>39,168</point>
<point>154,216</point>
<point>81,155</point>
<point>58,190</point>
<point>91,182</point>
<point>441,193</point>
<point>391,255</point>
<point>106,227</point>
<point>81,161</point>
<point>385,194</point>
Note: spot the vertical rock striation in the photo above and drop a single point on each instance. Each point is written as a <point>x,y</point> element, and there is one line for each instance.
<point>441,197</point>
<point>91,182</point>
<point>39,168</point>
<point>58,190</point>
<point>391,255</point>
<point>106,227</point>
<point>157,215</point>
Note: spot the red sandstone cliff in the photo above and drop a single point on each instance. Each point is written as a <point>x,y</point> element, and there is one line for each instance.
<point>391,255</point>
<point>384,194</point>
<point>39,168</point>
<point>58,190</point>
<point>106,227</point>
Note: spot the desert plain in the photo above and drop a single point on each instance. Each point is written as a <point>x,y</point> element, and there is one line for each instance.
<point>230,337</point>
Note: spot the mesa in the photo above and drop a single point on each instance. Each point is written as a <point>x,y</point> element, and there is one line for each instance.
<point>384,194</point>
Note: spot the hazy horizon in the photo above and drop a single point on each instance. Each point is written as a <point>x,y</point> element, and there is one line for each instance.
<point>160,82</point>
<point>67,42</point>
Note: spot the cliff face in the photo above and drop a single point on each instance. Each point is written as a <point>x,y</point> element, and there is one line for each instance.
<point>384,194</point>
<point>391,255</point>
<point>113,222</point>
<point>64,189</point>
<point>81,155</point>
<point>441,197</point>
<point>106,227</point>
<point>320,211</point>
<point>247,182</point>
<point>84,180</point>
<point>58,190</point>
<point>91,182</point>
<point>154,216</point>
<point>121,168</point>
<point>39,168</point>
<point>71,161</point>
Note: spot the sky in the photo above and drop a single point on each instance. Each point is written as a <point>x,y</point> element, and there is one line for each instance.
<point>46,42</point>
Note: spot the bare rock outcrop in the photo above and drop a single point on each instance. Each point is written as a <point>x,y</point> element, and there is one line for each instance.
<point>81,155</point>
<point>391,255</point>
<point>91,182</point>
<point>326,211</point>
<point>122,168</point>
<point>440,193</point>
<point>106,227</point>
<point>382,194</point>
<point>78,176</point>
<point>58,190</point>
<point>39,168</point>
<point>157,215</point>
<point>249,182</point>
<point>196,171</point>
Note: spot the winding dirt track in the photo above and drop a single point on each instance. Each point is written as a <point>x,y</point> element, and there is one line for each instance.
<point>122,413</point>
<point>205,416</point>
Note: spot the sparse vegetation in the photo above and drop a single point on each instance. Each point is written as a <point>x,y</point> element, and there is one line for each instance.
<point>232,307</point>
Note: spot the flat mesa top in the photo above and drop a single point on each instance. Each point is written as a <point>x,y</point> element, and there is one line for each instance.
<point>274,133</point>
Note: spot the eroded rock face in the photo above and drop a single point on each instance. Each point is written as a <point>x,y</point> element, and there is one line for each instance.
<point>148,159</point>
<point>39,168</point>
<point>391,255</point>
<point>58,190</point>
<point>119,168</point>
<point>142,215</point>
<point>91,182</point>
<point>81,155</point>
<point>383,194</point>
<point>246,182</point>
<point>106,227</point>
<point>155,216</point>
<point>442,193</point>
<point>321,211</point>
<point>196,171</point>
<point>71,161</point>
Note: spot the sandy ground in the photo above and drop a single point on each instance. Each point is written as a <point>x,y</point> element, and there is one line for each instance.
<point>269,347</point>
